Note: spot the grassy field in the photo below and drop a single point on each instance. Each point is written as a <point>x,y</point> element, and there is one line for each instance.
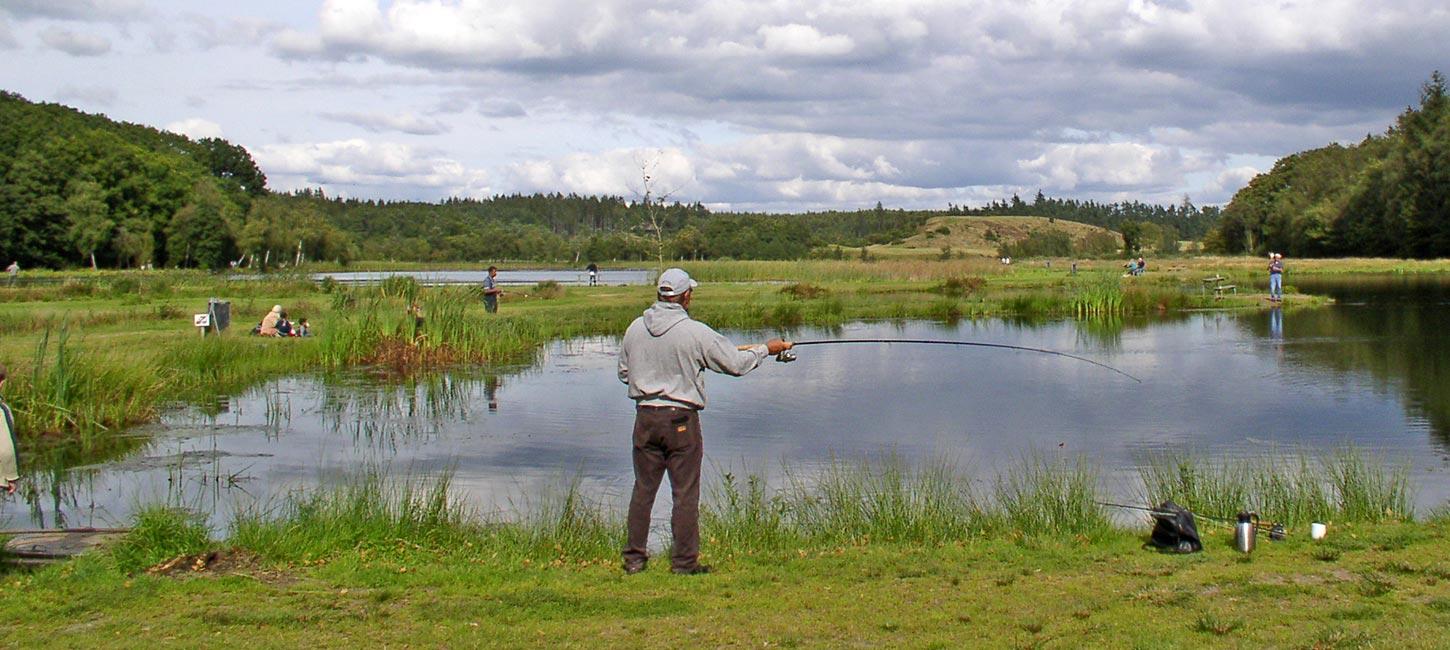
<point>872,556</point>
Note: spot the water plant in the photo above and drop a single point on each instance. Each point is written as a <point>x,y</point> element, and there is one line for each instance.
<point>1297,488</point>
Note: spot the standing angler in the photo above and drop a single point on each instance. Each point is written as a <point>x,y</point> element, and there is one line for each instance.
<point>663,359</point>
<point>1276,277</point>
<point>491,291</point>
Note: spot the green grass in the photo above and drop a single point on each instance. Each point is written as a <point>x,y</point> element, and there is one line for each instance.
<point>1344,485</point>
<point>871,553</point>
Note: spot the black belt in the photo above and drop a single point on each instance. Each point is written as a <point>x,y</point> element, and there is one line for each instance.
<point>666,408</point>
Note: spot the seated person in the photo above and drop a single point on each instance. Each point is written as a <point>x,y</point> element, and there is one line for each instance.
<point>303,329</point>
<point>269,322</point>
<point>284,326</point>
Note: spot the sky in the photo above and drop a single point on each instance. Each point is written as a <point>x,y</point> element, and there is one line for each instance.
<point>741,104</point>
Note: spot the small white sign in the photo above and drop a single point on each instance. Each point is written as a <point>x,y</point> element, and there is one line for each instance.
<point>201,320</point>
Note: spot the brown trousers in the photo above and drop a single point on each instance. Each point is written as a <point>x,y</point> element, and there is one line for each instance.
<point>666,440</point>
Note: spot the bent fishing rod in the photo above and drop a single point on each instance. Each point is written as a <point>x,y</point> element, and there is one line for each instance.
<point>787,356</point>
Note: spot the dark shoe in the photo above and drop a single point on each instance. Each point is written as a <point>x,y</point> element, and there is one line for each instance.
<point>631,569</point>
<point>698,569</point>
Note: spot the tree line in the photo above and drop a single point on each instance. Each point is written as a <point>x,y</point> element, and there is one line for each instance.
<point>79,189</point>
<point>1387,196</point>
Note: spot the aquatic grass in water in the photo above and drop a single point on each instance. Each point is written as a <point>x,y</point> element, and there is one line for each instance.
<point>885,500</point>
<point>67,392</point>
<point>367,510</point>
<point>1049,497</point>
<point>370,511</point>
<point>1347,485</point>
<point>1097,295</point>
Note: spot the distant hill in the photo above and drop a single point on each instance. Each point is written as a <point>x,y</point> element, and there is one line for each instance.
<point>986,236</point>
<point>80,187</point>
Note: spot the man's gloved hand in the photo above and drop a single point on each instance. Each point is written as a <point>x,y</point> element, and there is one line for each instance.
<point>776,346</point>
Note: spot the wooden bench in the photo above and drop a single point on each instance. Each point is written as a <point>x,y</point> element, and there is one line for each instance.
<point>1218,290</point>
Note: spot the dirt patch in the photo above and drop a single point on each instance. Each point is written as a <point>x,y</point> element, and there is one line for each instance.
<point>230,562</point>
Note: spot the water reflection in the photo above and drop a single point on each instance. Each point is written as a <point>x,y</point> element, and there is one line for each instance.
<point>1369,371</point>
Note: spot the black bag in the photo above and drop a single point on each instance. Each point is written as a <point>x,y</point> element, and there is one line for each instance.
<point>1174,530</point>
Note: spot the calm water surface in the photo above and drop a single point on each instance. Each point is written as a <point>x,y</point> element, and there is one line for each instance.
<point>1373,371</point>
<point>610,277</point>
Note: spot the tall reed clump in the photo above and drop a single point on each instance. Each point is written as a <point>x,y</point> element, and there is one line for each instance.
<point>1099,295</point>
<point>65,391</point>
<point>1038,495</point>
<point>1346,485</point>
<point>436,328</point>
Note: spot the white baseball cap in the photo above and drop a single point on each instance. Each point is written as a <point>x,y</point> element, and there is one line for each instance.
<point>674,282</point>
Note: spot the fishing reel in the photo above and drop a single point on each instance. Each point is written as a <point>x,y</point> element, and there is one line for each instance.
<point>785,356</point>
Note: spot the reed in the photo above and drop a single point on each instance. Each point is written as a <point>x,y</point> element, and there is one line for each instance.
<point>366,511</point>
<point>1097,295</point>
<point>1347,485</point>
<point>64,391</point>
<point>1039,495</point>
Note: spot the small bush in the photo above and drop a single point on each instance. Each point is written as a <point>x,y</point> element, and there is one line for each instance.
<point>160,534</point>
<point>125,286</point>
<point>167,312</point>
<point>805,291</point>
<point>549,290</point>
<point>961,286</point>
<point>1212,624</point>
<point>785,314</point>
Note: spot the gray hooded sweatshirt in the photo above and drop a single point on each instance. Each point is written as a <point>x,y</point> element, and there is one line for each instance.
<point>665,353</point>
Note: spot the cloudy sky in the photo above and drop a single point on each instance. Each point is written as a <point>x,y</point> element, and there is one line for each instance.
<point>742,104</point>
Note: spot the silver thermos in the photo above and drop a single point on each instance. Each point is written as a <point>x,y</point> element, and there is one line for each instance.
<point>1245,531</point>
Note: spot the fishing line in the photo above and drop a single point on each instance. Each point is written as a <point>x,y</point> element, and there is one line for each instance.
<point>1001,346</point>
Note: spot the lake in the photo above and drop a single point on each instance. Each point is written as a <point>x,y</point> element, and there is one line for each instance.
<point>1370,370</point>
<point>612,277</point>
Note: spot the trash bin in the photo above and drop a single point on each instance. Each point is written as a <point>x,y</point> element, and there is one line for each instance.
<point>221,314</point>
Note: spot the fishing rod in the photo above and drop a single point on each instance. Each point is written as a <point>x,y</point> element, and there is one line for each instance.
<point>1273,528</point>
<point>787,356</point>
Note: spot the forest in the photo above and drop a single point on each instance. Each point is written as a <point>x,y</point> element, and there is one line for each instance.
<point>82,190</point>
<point>1387,196</point>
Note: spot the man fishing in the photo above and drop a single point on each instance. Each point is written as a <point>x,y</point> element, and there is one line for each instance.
<point>663,358</point>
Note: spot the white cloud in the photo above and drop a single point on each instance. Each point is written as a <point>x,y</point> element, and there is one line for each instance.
<point>196,128</point>
<point>619,173</point>
<point>803,40</point>
<point>368,166</point>
<point>75,43</point>
<point>401,122</point>
<point>1125,165</point>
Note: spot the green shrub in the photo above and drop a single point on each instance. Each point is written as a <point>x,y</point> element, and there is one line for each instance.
<point>160,534</point>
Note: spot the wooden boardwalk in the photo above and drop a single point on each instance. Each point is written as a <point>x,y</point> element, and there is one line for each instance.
<point>31,548</point>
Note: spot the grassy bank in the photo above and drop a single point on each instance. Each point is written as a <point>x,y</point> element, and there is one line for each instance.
<point>92,353</point>
<point>873,554</point>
